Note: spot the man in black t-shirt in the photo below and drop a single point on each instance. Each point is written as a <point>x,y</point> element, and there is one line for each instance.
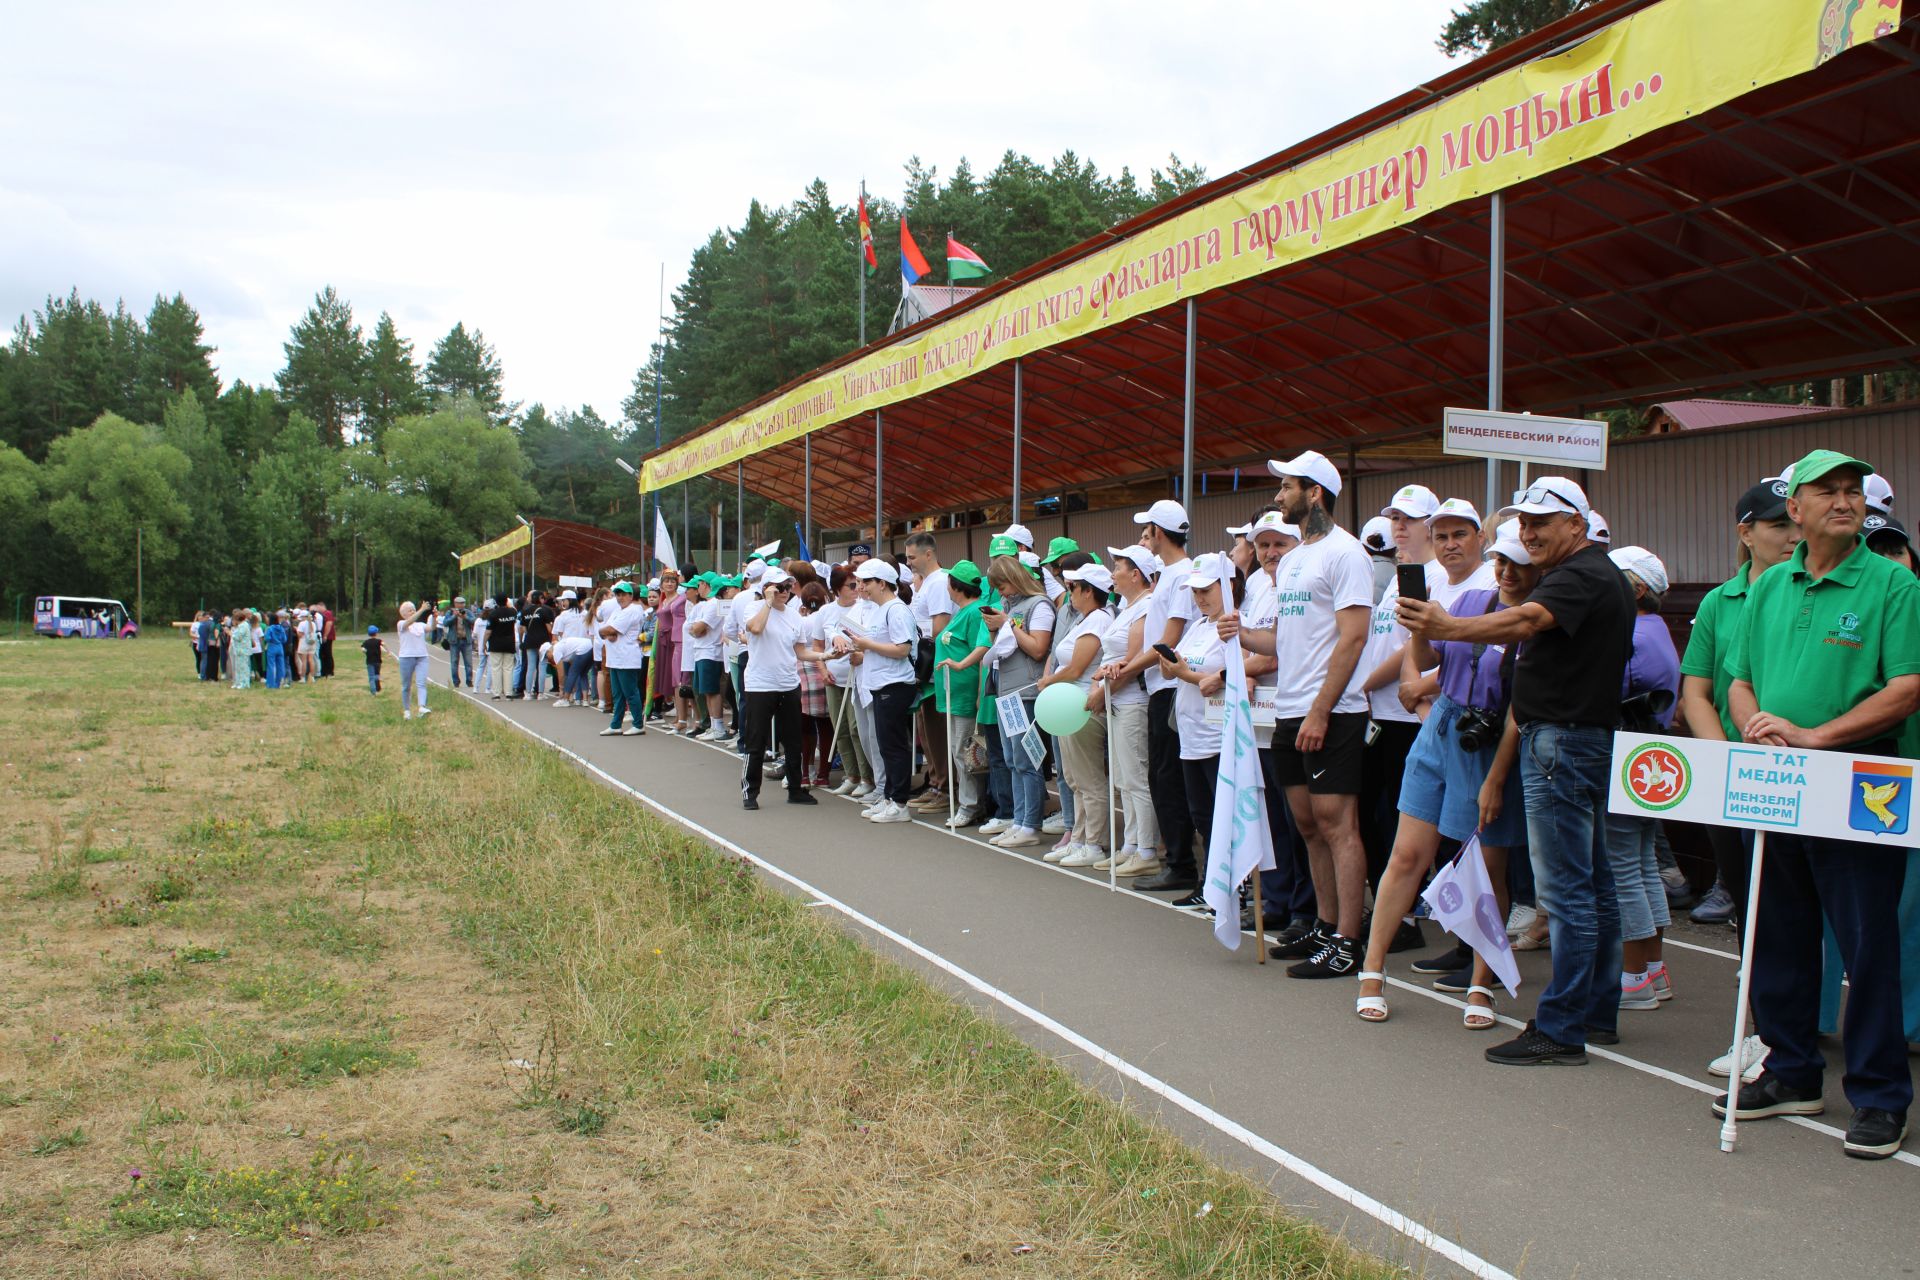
<point>1575,633</point>
<point>501,623</point>
<point>536,629</point>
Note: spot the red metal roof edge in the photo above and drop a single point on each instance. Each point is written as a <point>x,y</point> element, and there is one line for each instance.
<point>1700,412</point>
<point>1568,30</point>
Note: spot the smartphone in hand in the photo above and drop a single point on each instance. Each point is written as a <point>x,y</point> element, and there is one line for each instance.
<point>1166,652</point>
<point>1413,581</point>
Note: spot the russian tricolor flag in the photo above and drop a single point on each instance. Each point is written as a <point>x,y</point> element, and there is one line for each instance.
<point>913,263</point>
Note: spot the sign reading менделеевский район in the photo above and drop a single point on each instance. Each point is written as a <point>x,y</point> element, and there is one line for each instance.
<point>1834,795</point>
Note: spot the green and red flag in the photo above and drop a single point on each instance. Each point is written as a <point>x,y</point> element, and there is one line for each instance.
<point>963,263</point>
<point>866,237</point>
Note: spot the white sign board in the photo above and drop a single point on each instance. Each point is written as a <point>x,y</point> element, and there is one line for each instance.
<point>1262,698</point>
<point>1014,720</point>
<point>1579,443</point>
<point>1835,795</point>
<point>574,580</point>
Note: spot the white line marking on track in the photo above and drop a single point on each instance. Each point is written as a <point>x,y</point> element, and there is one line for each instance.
<point>1440,1245</point>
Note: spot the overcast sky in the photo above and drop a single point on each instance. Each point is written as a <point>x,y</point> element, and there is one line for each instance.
<point>528,169</point>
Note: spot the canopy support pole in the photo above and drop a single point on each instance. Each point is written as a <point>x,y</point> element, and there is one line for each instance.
<point>1496,332</point>
<point>1019,394</point>
<point>1186,405</point>
<point>879,481</point>
<point>740,508</point>
<point>806,518</point>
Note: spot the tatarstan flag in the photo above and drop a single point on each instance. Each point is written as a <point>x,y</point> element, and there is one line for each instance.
<point>913,263</point>
<point>963,263</point>
<point>866,237</point>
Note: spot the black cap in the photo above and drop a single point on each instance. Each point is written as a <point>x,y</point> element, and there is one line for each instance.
<point>1885,526</point>
<point>1765,501</point>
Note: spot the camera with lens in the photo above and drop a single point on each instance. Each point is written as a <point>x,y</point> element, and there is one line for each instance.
<point>1478,729</point>
<point>1641,713</point>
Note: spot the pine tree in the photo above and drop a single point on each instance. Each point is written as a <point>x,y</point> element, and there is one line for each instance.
<point>1485,25</point>
<point>173,359</point>
<point>464,366</point>
<point>393,380</point>
<point>325,377</point>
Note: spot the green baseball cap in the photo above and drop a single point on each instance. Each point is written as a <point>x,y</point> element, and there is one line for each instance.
<point>1059,547</point>
<point>1002,545</point>
<point>624,586</point>
<point>966,571</point>
<point>1821,461</point>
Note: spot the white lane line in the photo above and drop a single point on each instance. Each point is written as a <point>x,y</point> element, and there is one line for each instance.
<point>1465,1259</point>
<point>1611,1055</point>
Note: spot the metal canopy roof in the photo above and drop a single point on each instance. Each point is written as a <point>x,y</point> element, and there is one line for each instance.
<point>566,547</point>
<point>1774,238</point>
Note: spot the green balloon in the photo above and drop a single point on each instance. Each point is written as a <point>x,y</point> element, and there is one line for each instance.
<point>1061,709</point>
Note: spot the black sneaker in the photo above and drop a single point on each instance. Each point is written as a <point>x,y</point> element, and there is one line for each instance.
<point>1191,900</point>
<point>1298,941</point>
<point>1535,1048</point>
<point>1407,938</point>
<point>1444,961</point>
<point>801,797</point>
<point>1456,982</point>
<point>1597,1035</point>
<point>1337,957</point>
<point>1772,1096</point>
<point>748,802</point>
<point>1875,1134</point>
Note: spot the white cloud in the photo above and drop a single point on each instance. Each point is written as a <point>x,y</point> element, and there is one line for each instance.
<point>526,170</point>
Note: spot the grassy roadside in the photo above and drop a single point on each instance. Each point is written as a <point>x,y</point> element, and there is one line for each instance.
<point>358,997</point>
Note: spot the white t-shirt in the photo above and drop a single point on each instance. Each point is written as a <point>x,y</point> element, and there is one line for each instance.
<point>1316,580</point>
<point>891,623</point>
<point>826,622</point>
<point>1257,613</point>
<point>745,603</point>
<point>1113,648</point>
<point>1050,584</point>
<point>1094,624</point>
<point>931,598</point>
<point>771,664</point>
<point>709,647</point>
<point>1200,650</point>
<point>1170,600</point>
<point>567,648</point>
<point>1384,636</point>
<point>602,615</point>
<point>624,652</point>
<point>413,639</point>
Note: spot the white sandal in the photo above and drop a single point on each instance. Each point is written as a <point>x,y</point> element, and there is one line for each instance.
<point>1476,1018</point>
<point>1371,1008</point>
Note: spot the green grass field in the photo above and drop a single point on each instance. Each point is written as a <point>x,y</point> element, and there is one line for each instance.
<point>298,989</point>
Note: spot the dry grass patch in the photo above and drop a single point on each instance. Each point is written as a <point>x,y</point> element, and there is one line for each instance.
<point>362,998</point>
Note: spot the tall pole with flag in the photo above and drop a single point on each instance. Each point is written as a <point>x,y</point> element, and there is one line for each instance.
<point>868,262</point>
<point>963,264</point>
<point>1239,843</point>
<point>913,263</point>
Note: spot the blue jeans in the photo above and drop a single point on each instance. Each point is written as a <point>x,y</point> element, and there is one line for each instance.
<point>413,680</point>
<point>999,777</point>
<point>579,676</point>
<point>1563,774</point>
<point>276,666</point>
<point>1029,788</point>
<point>373,678</point>
<point>460,652</point>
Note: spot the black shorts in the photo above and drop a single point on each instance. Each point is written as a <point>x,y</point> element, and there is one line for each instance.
<point>1334,770</point>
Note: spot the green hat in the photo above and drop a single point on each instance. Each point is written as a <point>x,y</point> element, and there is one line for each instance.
<point>624,586</point>
<point>1002,545</point>
<point>1059,547</point>
<point>734,583</point>
<point>1821,461</point>
<point>966,571</point>
<point>446,604</point>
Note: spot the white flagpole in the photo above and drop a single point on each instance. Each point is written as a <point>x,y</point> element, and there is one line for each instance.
<point>1113,850</point>
<point>1728,1125</point>
<point>952,768</point>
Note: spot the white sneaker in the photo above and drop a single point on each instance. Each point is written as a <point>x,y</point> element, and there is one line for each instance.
<point>846,788</point>
<point>891,812</point>
<point>1520,919</point>
<point>963,818</point>
<point>425,710</point>
<point>1106,864</point>
<point>862,789</point>
<point>715,734</point>
<point>1753,1052</point>
<point>609,733</point>
<point>1017,838</point>
<point>1055,825</point>
<point>1060,852</point>
<point>406,715</point>
<point>632,731</point>
<point>561,702</point>
<point>995,827</point>
<point>1085,855</point>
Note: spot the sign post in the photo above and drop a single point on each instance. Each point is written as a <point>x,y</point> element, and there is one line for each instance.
<point>1833,795</point>
<point>1578,443</point>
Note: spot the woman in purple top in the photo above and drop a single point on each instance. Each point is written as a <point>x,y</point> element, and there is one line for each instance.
<point>1460,778</point>
<point>1648,696</point>
<point>668,620</point>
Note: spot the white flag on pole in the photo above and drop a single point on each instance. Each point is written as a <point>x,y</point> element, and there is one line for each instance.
<point>1463,904</point>
<point>1239,842</point>
<point>662,543</point>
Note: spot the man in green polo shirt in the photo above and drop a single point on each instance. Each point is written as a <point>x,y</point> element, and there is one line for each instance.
<point>1828,658</point>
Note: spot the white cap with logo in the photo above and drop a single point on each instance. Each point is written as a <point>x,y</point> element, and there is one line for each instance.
<point>1207,570</point>
<point>1415,500</point>
<point>1456,509</point>
<point>1166,513</point>
<point>1274,522</point>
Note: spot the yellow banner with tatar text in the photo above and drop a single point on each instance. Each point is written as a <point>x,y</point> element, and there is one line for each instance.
<point>498,547</point>
<point>1667,62</point>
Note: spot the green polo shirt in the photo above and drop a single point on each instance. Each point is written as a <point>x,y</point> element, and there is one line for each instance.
<point>960,637</point>
<point>1814,650</point>
<point>1711,641</point>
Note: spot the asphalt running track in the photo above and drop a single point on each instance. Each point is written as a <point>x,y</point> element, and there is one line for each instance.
<point>1401,1136</point>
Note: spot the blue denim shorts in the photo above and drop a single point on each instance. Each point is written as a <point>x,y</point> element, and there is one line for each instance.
<point>1442,784</point>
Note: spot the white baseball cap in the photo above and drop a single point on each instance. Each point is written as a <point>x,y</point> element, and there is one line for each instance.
<point>1506,542</point>
<point>1414,500</point>
<point>1144,560</point>
<point>1598,529</point>
<point>1031,559</point>
<point>1310,466</point>
<point>1239,530</point>
<point>1207,570</point>
<point>1166,513</point>
<point>1098,576</point>
<point>876,568</point>
<point>1642,564</point>
<point>1020,534</point>
<point>1274,522</point>
<point>1879,493</point>
<point>568,594</point>
<point>774,576</point>
<point>1377,534</point>
<point>1457,509</point>
<point>755,570</point>
<point>1548,496</point>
